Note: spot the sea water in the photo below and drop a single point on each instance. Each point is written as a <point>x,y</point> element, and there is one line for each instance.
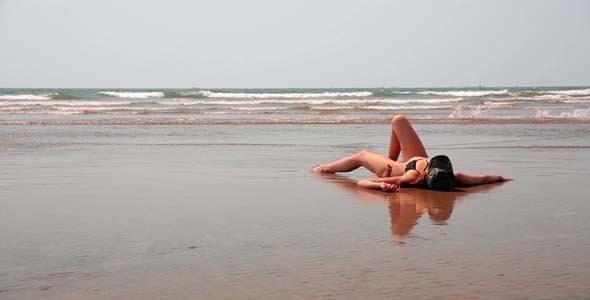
<point>330,105</point>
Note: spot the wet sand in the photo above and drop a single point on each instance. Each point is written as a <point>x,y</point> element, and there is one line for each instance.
<point>232,212</point>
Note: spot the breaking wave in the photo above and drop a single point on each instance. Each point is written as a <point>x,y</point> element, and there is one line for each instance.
<point>466,93</point>
<point>27,97</point>
<point>535,103</point>
<point>42,96</point>
<point>578,92</point>
<point>474,112</point>
<point>383,108</point>
<point>544,113</point>
<point>228,95</point>
<point>308,101</point>
<point>133,95</point>
<point>64,103</point>
<point>258,108</point>
<point>231,95</point>
<point>189,94</point>
<point>289,120</point>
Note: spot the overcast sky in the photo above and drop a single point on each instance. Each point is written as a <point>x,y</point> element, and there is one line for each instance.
<point>293,43</point>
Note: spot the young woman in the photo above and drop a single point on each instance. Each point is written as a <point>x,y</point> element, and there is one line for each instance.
<point>418,170</point>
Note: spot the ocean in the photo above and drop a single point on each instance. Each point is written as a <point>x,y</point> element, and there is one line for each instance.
<point>292,106</point>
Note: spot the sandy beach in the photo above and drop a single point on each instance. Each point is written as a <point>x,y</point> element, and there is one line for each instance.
<point>232,212</point>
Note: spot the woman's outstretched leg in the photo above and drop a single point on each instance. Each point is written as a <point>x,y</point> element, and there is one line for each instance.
<point>404,139</point>
<point>376,163</point>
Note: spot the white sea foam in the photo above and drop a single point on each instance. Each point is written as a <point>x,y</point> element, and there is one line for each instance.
<point>582,100</point>
<point>97,108</point>
<point>225,95</point>
<point>333,107</point>
<point>542,113</point>
<point>27,97</point>
<point>551,97</point>
<point>563,98</point>
<point>64,103</point>
<point>456,114</point>
<point>12,108</point>
<point>258,108</point>
<point>134,95</point>
<point>308,101</point>
<point>465,93</point>
<point>507,98</point>
<point>374,107</point>
<point>205,102</point>
<point>426,101</point>
<point>25,112</point>
<point>474,112</point>
<point>577,113</point>
<point>66,111</point>
<point>126,109</point>
<point>231,112</point>
<point>73,112</point>
<point>545,113</point>
<point>504,104</point>
<point>579,92</point>
<point>371,101</point>
<point>415,107</point>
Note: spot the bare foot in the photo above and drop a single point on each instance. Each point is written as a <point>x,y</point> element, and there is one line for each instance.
<point>319,169</point>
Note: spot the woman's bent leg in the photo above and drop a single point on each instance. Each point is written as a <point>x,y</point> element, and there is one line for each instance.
<point>404,139</point>
<point>376,163</point>
<point>394,146</point>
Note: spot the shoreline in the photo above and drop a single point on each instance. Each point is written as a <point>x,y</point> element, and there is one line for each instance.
<point>176,121</point>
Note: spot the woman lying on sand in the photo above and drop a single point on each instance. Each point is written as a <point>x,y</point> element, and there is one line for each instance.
<point>419,170</point>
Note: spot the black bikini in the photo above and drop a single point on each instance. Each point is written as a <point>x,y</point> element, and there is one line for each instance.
<point>412,165</point>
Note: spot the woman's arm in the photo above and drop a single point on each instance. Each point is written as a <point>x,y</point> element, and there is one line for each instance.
<point>383,186</point>
<point>389,184</point>
<point>465,180</point>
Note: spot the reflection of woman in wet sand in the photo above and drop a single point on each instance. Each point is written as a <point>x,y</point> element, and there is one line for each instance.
<point>405,209</point>
<point>418,169</point>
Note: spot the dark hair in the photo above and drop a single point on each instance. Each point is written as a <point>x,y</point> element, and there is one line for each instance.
<point>440,174</point>
<point>440,179</point>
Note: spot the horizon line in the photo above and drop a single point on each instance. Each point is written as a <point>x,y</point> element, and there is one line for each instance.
<point>304,88</point>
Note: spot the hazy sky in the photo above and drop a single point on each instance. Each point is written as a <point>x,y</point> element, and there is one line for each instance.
<point>293,43</point>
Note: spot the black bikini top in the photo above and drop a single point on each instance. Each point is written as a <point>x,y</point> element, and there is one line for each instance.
<point>411,165</point>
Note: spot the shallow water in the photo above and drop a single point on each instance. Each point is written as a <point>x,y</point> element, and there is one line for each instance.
<point>225,212</point>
